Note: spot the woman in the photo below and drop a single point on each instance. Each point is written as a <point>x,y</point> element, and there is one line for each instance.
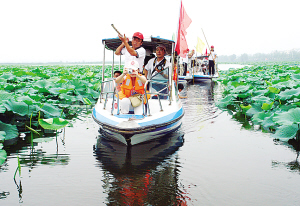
<point>132,83</point>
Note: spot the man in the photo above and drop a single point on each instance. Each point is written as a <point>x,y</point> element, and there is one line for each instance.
<point>136,52</point>
<point>158,63</point>
<point>211,61</point>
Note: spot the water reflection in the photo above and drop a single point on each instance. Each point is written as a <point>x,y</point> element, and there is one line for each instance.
<point>200,104</point>
<point>145,174</point>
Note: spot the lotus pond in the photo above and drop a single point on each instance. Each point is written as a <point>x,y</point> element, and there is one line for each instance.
<point>232,147</point>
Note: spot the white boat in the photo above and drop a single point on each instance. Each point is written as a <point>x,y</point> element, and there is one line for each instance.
<point>162,113</point>
<point>197,70</point>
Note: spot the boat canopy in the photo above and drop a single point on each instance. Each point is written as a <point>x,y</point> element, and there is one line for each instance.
<point>148,43</point>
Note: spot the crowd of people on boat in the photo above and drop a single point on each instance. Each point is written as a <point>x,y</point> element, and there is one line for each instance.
<point>138,69</point>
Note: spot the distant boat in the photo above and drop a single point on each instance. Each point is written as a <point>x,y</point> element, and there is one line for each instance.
<point>198,70</point>
<point>162,113</point>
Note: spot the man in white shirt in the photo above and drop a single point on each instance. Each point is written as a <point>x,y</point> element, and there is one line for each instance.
<point>136,52</point>
<point>211,61</point>
<point>158,63</point>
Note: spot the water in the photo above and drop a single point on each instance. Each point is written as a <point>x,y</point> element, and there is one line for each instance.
<point>212,160</point>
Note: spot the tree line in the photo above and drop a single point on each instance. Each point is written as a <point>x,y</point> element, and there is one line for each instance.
<point>291,55</point>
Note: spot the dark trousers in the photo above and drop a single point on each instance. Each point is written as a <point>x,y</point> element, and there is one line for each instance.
<point>211,67</point>
<point>184,68</point>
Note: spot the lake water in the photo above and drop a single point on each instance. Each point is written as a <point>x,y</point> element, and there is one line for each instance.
<point>211,160</point>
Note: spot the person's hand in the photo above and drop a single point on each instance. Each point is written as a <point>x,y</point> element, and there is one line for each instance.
<point>123,38</point>
<point>125,71</point>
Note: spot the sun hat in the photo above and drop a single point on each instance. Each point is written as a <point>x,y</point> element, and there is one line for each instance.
<point>162,46</point>
<point>138,35</point>
<point>132,65</point>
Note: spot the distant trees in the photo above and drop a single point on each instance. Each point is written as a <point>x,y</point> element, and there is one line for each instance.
<point>292,55</point>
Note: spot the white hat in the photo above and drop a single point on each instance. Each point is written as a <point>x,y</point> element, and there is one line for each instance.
<point>132,64</point>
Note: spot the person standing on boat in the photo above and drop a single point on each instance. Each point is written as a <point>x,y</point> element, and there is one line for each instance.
<point>158,63</point>
<point>134,52</point>
<point>211,61</point>
<point>132,83</point>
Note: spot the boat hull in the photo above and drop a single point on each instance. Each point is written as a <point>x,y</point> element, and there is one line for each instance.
<point>132,129</point>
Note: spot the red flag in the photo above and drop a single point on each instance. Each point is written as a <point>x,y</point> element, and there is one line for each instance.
<point>184,23</point>
<point>206,53</point>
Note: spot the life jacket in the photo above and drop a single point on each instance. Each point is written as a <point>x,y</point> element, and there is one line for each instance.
<point>127,87</point>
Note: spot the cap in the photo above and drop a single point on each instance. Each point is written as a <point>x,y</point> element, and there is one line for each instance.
<point>162,46</point>
<point>138,35</point>
<point>212,46</point>
<point>132,65</point>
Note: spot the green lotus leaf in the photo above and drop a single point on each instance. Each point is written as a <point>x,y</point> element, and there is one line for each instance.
<point>67,97</point>
<point>274,90</point>
<point>53,123</point>
<point>26,99</point>
<point>288,118</point>
<point>286,84</point>
<point>3,156</point>
<point>224,102</point>
<point>42,84</point>
<point>5,95</point>
<point>19,108</point>
<point>289,94</point>
<point>258,118</point>
<point>241,89</point>
<point>296,77</point>
<point>40,140</point>
<point>286,132</point>
<point>260,92</point>
<point>267,106</point>
<point>11,131</point>
<point>2,109</point>
<point>245,108</point>
<point>262,99</point>
<point>50,110</point>
<point>268,122</point>
<point>2,136</point>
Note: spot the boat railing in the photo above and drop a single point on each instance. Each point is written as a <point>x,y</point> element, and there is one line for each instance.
<point>160,93</point>
<point>109,90</point>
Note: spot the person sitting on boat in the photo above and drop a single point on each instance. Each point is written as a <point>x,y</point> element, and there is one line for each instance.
<point>116,75</point>
<point>136,52</point>
<point>158,63</point>
<point>211,61</point>
<point>132,83</point>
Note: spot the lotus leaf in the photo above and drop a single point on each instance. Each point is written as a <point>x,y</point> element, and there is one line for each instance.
<point>10,130</point>
<point>3,156</point>
<point>19,108</point>
<point>262,99</point>
<point>42,84</point>
<point>226,101</point>
<point>26,99</point>
<point>53,123</point>
<point>288,118</point>
<point>50,110</point>
<point>274,90</point>
<point>286,132</point>
<point>289,94</point>
<point>2,136</point>
<point>267,106</point>
<point>259,117</point>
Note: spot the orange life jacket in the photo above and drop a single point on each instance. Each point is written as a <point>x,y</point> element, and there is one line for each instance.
<point>127,87</point>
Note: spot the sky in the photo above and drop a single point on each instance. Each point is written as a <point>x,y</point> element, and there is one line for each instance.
<point>72,30</point>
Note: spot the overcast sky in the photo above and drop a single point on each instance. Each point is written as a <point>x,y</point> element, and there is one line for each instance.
<point>72,30</point>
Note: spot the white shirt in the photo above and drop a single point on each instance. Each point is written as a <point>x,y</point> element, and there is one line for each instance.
<point>141,53</point>
<point>149,67</point>
<point>212,56</point>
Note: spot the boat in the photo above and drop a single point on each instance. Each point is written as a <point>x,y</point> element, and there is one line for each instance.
<point>197,70</point>
<point>162,112</point>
